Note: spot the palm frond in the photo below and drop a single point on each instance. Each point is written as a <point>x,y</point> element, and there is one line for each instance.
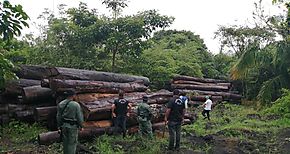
<point>247,60</point>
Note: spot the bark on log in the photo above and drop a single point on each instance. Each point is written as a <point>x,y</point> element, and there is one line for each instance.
<point>226,84</point>
<point>203,99</point>
<point>45,113</point>
<point>82,86</point>
<point>34,72</point>
<point>15,87</point>
<point>79,74</point>
<point>35,93</point>
<point>204,80</point>
<point>98,124</point>
<point>199,87</point>
<point>225,95</point>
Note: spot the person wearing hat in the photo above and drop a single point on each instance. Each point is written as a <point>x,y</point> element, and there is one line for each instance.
<point>144,115</point>
<point>69,121</point>
<point>207,108</point>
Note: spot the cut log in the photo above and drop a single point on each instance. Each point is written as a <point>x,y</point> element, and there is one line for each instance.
<point>199,87</point>
<point>225,95</point>
<point>26,115</point>
<point>35,93</point>
<point>34,72</point>
<point>200,83</point>
<point>82,86</point>
<point>78,74</point>
<point>15,87</point>
<point>98,124</point>
<point>87,133</point>
<point>203,80</point>
<point>45,113</point>
<point>203,99</point>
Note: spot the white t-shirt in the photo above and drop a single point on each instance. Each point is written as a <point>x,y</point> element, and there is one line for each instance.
<point>207,104</point>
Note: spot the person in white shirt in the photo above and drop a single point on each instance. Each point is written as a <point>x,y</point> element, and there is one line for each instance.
<point>206,107</point>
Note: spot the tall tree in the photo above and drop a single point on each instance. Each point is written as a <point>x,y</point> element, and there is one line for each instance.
<point>12,20</point>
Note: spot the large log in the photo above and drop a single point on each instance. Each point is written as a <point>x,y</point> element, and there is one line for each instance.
<point>82,86</point>
<point>199,87</point>
<point>98,124</point>
<point>225,95</point>
<point>14,87</point>
<point>79,74</point>
<point>34,72</point>
<point>203,99</point>
<point>204,80</point>
<point>226,84</point>
<point>45,113</point>
<point>35,93</point>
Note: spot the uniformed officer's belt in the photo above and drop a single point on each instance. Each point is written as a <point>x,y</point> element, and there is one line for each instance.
<point>70,122</point>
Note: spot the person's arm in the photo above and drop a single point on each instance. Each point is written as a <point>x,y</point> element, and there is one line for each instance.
<point>113,110</point>
<point>168,110</point>
<point>129,109</point>
<point>58,117</point>
<point>80,117</point>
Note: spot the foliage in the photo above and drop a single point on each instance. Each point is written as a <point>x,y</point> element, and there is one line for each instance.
<point>12,20</point>
<point>281,106</point>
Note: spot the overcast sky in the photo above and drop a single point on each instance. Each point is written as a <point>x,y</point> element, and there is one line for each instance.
<point>199,16</point>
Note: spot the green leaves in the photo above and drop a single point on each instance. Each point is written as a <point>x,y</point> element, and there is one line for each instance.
<point>13,18</point>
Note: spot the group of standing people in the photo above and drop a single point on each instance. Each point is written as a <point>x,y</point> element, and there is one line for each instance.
<point>70,118</point>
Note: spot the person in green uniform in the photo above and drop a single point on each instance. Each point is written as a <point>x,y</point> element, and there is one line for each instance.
<point>120,111</point>
<point>144,114</point>
<point>69,121</point>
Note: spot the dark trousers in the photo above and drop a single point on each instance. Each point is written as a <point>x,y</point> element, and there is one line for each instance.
<point>207,114</point>
<point>174,134</point>
<point>120,124</point>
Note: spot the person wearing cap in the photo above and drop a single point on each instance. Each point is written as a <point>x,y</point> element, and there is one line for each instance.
<point>69,121</point>
<point>120,110</point>
<point>174,117</point>
<point>207,108</point>
<point>144,115</point>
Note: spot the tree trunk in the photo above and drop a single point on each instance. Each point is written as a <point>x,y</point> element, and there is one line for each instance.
<point>82,86</point>
<point>14,87</point>
<point>34,72</point>
<point>203,99</point>
<point>225,95</point>
<point>203,80</point>
<point>45,113</point>
<point>35,93</point>
<point>200,83</point>
<point>78,74</point>
<point>199,87</point>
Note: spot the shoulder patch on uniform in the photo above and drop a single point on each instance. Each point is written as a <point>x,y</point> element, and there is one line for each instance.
<point>178,101</point>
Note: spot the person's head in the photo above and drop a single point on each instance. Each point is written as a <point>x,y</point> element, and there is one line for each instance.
<point>145,98</point>
<point>69,93</point>
<point>182,93</point>
<point>175,92</point>
<point>121,94</point>
<point>207,97</point>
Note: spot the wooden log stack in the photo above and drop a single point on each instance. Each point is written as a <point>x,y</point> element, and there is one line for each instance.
<point>33,97</point>
<point>198,88</point>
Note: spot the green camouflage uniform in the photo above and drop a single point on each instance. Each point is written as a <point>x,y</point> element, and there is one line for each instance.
<point>144,116</point>
<point>69,121</point>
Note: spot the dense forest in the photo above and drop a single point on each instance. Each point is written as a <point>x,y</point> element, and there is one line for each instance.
<point>254,57</point>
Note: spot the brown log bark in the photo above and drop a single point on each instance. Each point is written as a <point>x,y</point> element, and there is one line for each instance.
<point>203,99</point>
<point>78,74</point>
<point>199,87</point>
<point>34,72</point>
<point>98,124</point>
<point>203,80</point>
<point>15,87</point>
<point>225,95</point>
<point>226,84</point>
<point>35,93</point>
<point>45,113</point>
<point>82,86</point>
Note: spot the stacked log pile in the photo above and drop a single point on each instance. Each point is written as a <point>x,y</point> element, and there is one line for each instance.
<point>33,97</point>
<point>198,88</point>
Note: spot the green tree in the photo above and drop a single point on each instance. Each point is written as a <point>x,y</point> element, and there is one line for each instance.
<point>12,20</point>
